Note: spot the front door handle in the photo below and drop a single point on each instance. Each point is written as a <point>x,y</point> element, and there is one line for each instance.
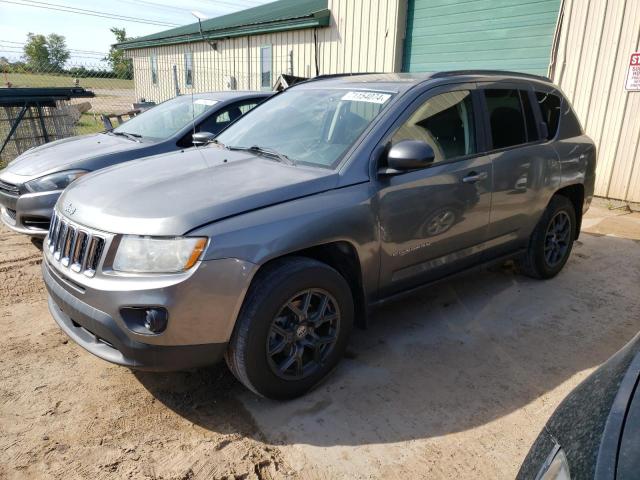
<point>474,177</point>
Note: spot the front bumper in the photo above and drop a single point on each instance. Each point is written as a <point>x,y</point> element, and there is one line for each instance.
<point>29,213</point>
<point>202,310</point>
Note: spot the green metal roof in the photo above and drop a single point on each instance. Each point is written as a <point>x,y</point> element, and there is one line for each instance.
<point>271,17</point>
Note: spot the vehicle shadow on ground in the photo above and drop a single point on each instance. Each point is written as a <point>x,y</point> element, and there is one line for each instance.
<point>452,357</point>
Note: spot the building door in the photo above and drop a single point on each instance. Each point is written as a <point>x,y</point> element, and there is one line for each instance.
<point>507,35</point>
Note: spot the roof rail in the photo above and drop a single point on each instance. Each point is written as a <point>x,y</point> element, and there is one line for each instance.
<point>450,73</point>
<point>338,75</point>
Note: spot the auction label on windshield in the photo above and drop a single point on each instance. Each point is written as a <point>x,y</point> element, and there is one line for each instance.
<point>371,97</point>
<point>204,101</point>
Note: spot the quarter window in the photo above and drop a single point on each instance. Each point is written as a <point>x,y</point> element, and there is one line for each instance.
<point>265,67</point>
<point>445,122</point>
<point>550,110</point>
<point>188,69</point>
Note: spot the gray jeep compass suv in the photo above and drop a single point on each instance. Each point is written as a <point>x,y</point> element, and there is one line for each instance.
<point>327,199</point>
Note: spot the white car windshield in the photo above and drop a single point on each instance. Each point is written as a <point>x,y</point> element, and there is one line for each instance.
<point>311,126</point>
<point>166,119</point>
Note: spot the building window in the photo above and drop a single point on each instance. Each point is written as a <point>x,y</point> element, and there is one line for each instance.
<point>265,67</point>
<point>153,60</point>
<point>188,69</point>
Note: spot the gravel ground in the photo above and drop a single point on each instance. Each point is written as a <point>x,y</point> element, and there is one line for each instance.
<point>454,382</point>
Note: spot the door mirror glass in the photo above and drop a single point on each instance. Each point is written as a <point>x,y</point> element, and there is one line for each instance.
<point>409,155</point>
<point>202,138</point>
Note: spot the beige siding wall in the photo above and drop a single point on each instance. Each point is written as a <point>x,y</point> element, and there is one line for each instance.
<point>363,36</point>
<point>597,39</point>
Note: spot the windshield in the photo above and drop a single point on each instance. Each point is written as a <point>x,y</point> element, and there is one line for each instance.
<point>312,126</point>
<point>166,119</point>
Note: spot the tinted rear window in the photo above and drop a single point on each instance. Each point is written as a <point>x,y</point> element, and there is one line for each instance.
<point>506,117</point>
<point>550,110</point>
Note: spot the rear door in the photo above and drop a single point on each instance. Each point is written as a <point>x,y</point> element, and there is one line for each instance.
<point>435,220</point>
<point>526,169</point>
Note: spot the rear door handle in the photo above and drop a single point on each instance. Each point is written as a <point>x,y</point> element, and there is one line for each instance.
<point>474,177</point>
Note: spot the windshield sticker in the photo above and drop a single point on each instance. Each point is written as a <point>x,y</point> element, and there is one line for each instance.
<point>371,97</point>
<point>204,101</point>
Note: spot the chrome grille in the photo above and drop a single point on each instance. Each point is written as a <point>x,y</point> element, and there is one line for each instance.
<point>9,188</point>
<point>75,248</point>
<point>12,214</point>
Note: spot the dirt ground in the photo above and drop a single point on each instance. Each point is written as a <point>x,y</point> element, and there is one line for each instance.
<point>453,382</point>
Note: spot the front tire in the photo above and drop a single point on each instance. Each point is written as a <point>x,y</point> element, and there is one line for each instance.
<point>551,242</point>
<point>292,329</point>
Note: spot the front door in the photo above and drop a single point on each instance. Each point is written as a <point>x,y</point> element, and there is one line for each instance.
<point>435,220</point>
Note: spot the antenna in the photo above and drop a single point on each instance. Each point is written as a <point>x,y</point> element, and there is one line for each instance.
<point>200,16</point>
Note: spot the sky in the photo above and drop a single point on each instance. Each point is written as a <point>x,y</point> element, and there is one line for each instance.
<point>88,37</point>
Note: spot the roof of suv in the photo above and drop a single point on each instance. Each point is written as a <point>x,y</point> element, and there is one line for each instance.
<point>400,82</point>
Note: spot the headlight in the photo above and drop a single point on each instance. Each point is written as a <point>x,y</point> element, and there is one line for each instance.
<point>55,181</point>
<point>158,255</point>
<point>556,467</point>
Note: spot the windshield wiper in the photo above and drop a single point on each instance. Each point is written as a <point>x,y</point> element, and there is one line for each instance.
<point>130,136</point>
<point>281,157</point>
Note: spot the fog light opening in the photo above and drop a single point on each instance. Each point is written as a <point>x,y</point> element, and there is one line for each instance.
<point>145,320</point>
<point>155,320</point>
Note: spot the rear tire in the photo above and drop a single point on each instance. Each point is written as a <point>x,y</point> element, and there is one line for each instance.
<point>292,329</point>
<point>551,242</point>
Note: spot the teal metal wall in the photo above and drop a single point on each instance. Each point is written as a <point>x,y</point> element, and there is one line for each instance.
<point>488,34</point>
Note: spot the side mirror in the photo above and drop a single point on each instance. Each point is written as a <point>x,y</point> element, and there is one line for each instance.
<point>408,155</point>
<point>202,138</point>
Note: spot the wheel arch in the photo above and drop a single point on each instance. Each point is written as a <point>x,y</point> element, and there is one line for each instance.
<point>343,257</point>
<point>575,194</point>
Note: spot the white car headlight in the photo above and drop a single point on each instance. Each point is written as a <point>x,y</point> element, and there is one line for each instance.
<point>158,255</point>
<point>55,181</point>
<point>556,467</point>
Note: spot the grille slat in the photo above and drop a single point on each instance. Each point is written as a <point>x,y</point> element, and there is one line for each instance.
<point>9,188</point>
<point>73,247</point>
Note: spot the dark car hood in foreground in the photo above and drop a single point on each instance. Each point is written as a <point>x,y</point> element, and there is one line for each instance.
<point>64,154</point>
<point>174,193</point>
<point>588,423</point>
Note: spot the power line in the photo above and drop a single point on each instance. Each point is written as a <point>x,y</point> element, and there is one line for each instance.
<point>90,13</point>
<point>97,12</point>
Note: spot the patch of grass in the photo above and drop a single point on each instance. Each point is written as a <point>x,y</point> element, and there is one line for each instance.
<point>50,80</point>
<point>89,124</point>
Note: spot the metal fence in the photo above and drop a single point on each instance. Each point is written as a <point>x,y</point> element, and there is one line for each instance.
<point>113,97</point>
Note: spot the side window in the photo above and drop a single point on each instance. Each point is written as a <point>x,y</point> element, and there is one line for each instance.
<point>244,108</point>
<point>506,117</point>
<point>550,110</point>
<point>445,122</point>
<point>217,122</point>
<point>529,118</point>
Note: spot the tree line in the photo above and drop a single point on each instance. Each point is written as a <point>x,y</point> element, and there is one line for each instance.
<point>50,54</point>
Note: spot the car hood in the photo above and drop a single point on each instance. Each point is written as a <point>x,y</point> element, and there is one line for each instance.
<point>64,154</point>
<point>174,193</point>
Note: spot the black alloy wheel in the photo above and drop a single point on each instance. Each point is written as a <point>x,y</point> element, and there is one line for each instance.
<point>557,238</point>
<point>303,334</point>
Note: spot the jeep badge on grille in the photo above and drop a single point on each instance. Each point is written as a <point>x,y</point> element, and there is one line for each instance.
<point>69,209</point>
